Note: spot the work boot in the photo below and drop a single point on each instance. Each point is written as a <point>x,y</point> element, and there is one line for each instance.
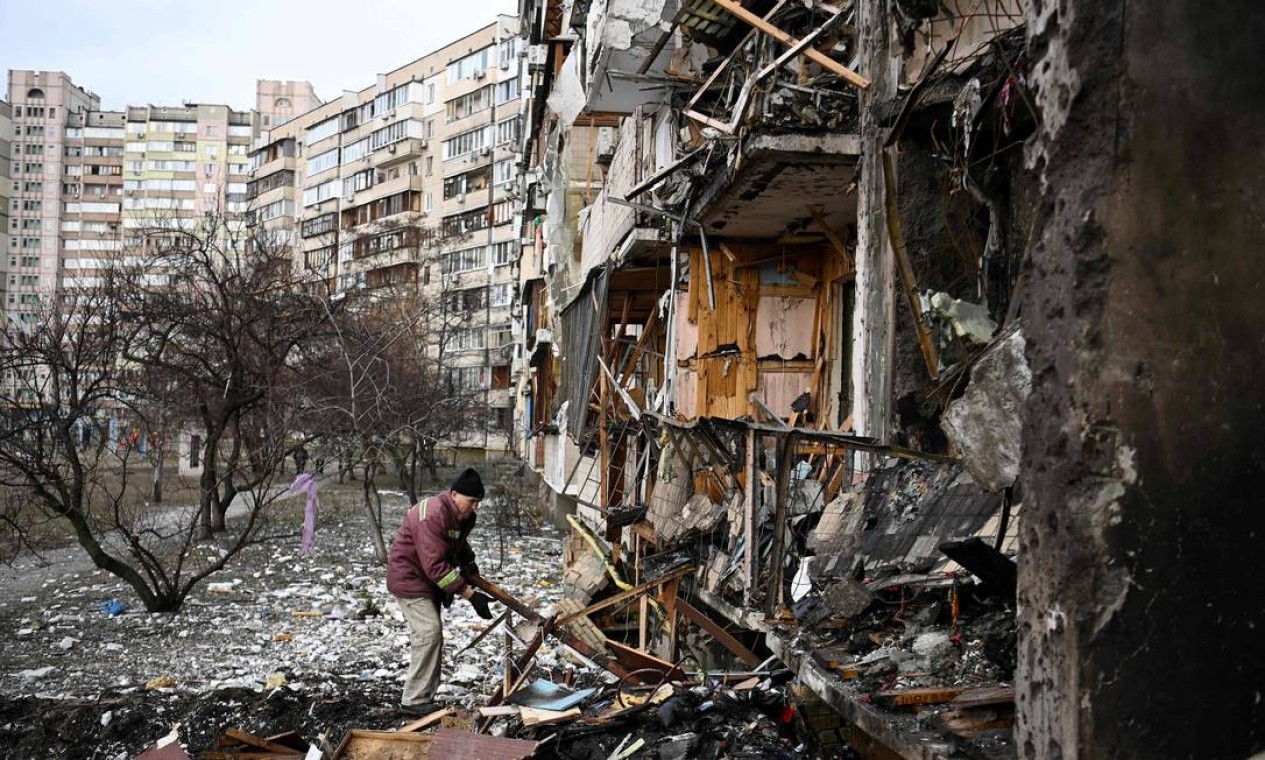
<point>421,709</point>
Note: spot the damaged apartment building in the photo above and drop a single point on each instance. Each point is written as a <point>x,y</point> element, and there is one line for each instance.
<point>842,346</point>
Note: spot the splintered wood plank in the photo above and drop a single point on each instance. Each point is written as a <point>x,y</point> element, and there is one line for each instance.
<point>992,695</point>
<point>908,697</point>
<point>426,721</point>
<point>254,741</point>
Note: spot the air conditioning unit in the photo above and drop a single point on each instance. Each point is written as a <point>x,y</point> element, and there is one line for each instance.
<point>505,65</point>
<point>421,144</point>
<point>537,55</point>
<point>461,197</point>
<point>485,152</point>
<point>390,149</point>
<point>480,74</point>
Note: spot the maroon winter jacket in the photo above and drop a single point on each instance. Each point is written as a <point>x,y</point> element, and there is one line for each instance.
<point>430,556</point>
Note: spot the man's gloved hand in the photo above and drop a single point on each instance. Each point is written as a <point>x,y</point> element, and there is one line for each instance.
<point>480,602</point>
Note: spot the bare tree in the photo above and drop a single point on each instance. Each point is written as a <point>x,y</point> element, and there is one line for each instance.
<point>66,393</point>
<point>219,316</point>
<point>387,394</point>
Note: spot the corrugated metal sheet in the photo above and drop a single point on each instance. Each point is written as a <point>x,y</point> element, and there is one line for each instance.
<point>582,321</point>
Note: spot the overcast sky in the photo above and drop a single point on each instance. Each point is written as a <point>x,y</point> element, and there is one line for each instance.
<point>166,52</point>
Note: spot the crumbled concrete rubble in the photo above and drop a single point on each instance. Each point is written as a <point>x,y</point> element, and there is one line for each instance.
<point>238,654</point>
<point>985,425</point>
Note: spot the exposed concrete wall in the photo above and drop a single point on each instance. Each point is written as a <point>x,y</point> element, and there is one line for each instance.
<point>1141,629</point>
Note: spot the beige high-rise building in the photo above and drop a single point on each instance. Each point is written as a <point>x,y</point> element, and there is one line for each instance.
<point>410,183</point>
<point>44,104</point>
<point>6,139</point>
<point>89,184</point>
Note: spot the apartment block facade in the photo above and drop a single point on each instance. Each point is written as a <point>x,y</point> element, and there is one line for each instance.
<point>410,184</point>
<point>6,140</point>
<point>88,183</point>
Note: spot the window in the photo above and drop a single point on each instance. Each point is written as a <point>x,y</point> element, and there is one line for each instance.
<point>356,151</point>
<point>239,130</point>
<point>361,180</point>
<point>319,258</point>
<point>283,178</point>
<point>387,135</point>
<point>504,172</point>
<point>430,93</point>
<point>509,50</point>
<point>469,104</point>
<point>466,378</point>
<point>430,165</point>
<point>461,224</point>
<point>470,182</point>
<point>465,143</point>
<point>463,261</point>
<point>502,212</point>
<point>471,65</point>
<point>323,191</point>
<point>503,253</point>
<point>318,132</point>
<point>468,339</point>
<point>320,225</point>
<point>506,91</point>
<point>212,130</point>
<point>500,294</point>
<point>323,162</point>
<point>507,131</point>
<point>103,133</point>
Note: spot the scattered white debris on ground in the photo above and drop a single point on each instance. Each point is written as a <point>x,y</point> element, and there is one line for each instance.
<point>274,619</point>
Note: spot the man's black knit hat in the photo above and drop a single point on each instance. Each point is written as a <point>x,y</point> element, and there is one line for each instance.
<point>469,484</point>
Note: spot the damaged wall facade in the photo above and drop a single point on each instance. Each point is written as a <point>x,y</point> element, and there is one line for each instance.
<point>835,315</point>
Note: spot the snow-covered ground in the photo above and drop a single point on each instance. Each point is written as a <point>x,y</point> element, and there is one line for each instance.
<point>240,633</point>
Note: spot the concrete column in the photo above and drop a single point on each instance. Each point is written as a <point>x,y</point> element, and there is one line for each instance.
<point>1142,633</point>
<point>873,321</point>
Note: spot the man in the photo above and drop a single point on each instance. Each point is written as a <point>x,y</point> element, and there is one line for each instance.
<point>431,562</point>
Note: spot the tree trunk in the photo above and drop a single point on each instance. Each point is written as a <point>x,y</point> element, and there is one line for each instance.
<point>156,456</point>
<point>375,525</point>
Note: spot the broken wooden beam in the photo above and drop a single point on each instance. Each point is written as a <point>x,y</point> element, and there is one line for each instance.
<point>426,721</point>
<point>628,595</point>
<point>897,236</point>
<point>723,637</point>
<point>500,595</point>
<point>735,9</point>
<point>911,697</point>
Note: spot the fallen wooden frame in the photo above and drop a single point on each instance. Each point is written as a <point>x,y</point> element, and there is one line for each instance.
<point>735,9</point>
<point>628,595</point>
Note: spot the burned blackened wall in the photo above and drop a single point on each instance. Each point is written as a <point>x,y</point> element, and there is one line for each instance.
<point>1141,626</point>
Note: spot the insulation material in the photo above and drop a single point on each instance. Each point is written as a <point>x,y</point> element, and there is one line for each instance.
<point>784,327</point>
<point>686,330</point>
<point>567,97</point>
<point>687,393</point>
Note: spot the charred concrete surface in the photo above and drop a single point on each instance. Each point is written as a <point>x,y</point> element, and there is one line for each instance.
<point>1143,439</point>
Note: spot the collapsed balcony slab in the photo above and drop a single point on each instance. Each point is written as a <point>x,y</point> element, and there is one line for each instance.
<point>767,187</point>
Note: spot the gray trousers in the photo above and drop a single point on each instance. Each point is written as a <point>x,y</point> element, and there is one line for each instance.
<point>426,646</point>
